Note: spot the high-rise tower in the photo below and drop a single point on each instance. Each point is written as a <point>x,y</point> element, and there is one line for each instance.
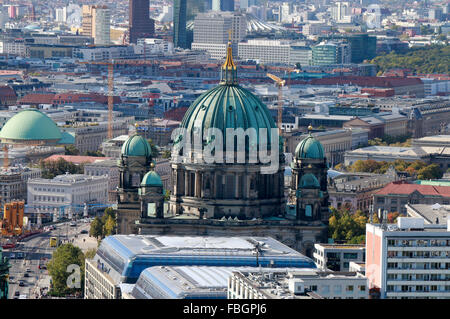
<point>140,23</point>
<point>179,24</point>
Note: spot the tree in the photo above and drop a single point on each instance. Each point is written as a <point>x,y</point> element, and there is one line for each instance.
<point>71,150</point>
<point>432,171</point>
<point>94,153</point>
<point>58,268</point>
<point>348,227</point>
<point>90,253</point>
<point>166,154</point>
<point>109,227</point>
<point>96,229</point>
<point>50,169</point>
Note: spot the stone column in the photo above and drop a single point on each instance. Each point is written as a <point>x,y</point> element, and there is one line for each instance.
<point>237,193</point>
<point>197,184</point>
<point>186,183</point>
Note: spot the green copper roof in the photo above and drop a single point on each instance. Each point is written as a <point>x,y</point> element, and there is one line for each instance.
<point>151,179</point>
<point>309,181</point>
<point>67,138</point>
<point>136,145</point>
<point>228,106</point>
<point>309,148</point>
<point>30,125</point>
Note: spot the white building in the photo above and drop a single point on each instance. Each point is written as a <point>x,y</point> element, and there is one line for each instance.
<point>212,32</point>
<point>265,51</point>
<point>409,260</point>
<point>337,257</point>
<point>64,191</point>
<point>99,53</point>
<point>153,46</point>
<point>61,14</point>
<point>299,284</point>
<point>106,168</point>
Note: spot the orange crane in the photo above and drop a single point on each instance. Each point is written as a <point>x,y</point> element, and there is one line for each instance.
<point>280,83</point>
<point>111,64</point>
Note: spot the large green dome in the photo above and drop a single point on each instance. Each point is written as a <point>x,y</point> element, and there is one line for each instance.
<point>30,125</point>
<point>136,145</point>
<point>228,106</point>
<point>151,179</point>
<point>309,148</point>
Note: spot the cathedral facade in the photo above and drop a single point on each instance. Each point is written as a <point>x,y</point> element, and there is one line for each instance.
<point>226,198</point>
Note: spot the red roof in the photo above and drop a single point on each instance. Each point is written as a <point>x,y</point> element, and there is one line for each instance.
<point>404,188</point>
<point>7,91</point>
<point>76,159</point>
<point>37,98</point>
<point>176,114</point>
<point>368,81</point>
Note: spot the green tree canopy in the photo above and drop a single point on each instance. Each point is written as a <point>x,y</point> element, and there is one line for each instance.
<point>50,169</point>
<point>65,255</point>
<point>96,229</point>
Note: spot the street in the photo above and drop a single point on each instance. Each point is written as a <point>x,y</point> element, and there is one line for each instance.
<point>27,270</point>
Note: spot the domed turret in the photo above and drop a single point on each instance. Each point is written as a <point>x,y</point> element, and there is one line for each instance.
<point>309,181</point>
<point>136,146</point>
<point>151,179</point>
<point>309,148</point>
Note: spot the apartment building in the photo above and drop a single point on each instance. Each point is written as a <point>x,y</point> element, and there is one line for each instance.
<point>410,260</point>
<point>297,284</point>
<point>338,257</point>
<point>265,51</point>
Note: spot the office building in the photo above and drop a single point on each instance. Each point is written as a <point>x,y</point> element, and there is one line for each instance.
<point>66,193</point>
<point>408,260</point>
<point>265,51</point>
<point>212,32</point>
<point>96,23</point>
<point>329,53</point>
<point>223,5</point>
<point>140,23</point>
<point>13,182</point>
<point>133,253</point>
<point>336,257</point>
<point>179,25</point>
<point>300,54</point>
<point>297,284</point>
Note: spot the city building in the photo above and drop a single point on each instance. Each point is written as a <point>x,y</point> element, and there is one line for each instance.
<point>66,193</point>
<point>106,168</point>
<point>326,53</point>
<point>212,32</point>
<point>134,253</point>
<point>4,275</point>
<point>336,257</point>
<point>13,182</point>
<point>180,39</point>
<point>140,23</point>
<point>265,51</point>
<point>355,190</point>
<point>408,260</point>
<point>431,214</point>
<point>227,198</point>
<point>96,23</point>
<point>394,196</point>
<point>102,53</point>
<point>297,284</point>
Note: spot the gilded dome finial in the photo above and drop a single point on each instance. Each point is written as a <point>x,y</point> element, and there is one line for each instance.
<point>310,128</point>
<point>229,70</point>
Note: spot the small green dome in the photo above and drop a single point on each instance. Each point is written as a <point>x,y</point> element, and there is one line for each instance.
<point>309,181</point>
<point>151,179</point>
<point>136,145</point>
<point>30,125</point>
<point>228,106</point>
<point>309,148</point>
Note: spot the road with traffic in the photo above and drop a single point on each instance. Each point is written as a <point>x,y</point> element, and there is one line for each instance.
<point>27,280</point>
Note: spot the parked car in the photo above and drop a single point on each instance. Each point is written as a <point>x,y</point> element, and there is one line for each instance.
<point>21,283</point>
<point>84,231</point>
<point>26,275</point>
<point>17,293</point>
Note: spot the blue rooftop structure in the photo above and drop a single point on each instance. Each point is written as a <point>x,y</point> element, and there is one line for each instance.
<point>124,257</point>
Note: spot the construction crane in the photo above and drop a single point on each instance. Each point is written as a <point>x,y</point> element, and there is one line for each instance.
<point>110,64</point>
<point>280,83</point>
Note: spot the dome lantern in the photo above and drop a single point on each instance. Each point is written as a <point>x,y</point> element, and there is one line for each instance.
<point>229,69</point>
